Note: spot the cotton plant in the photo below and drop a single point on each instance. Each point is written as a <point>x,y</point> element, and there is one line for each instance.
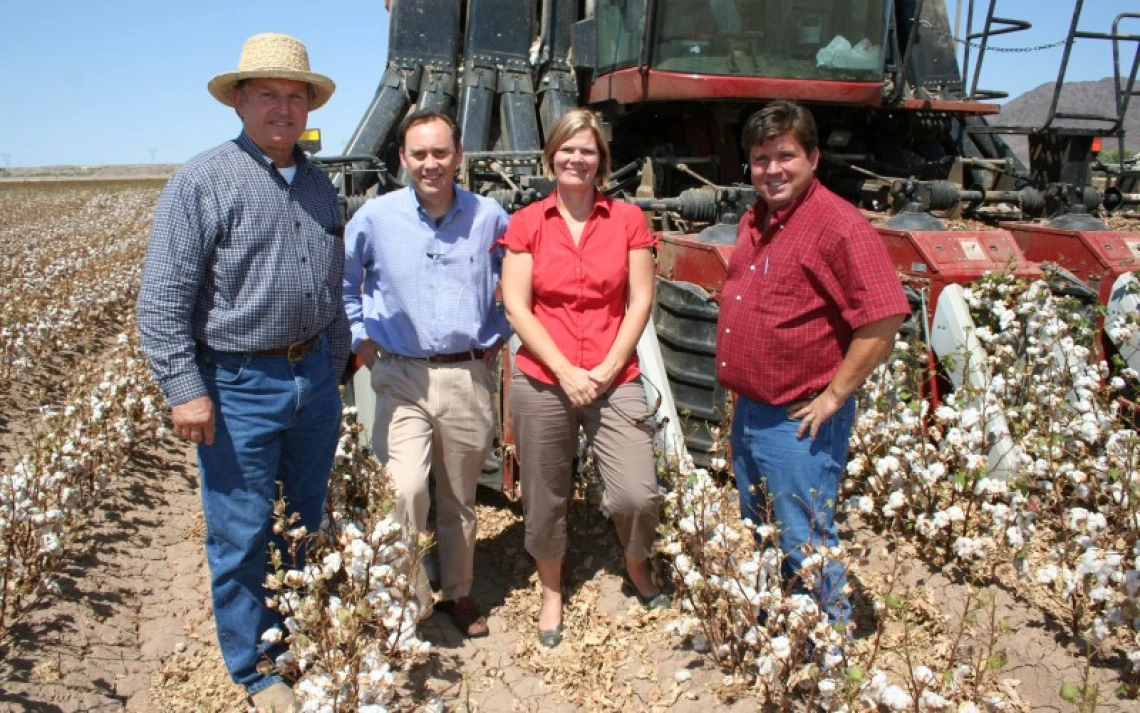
<point>60,470</point>
<point>734,605</point>
<point>348,606</point>
<point>79,272</point>
<point>1068,512</point>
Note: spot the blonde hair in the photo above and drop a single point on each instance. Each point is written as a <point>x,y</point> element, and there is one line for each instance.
<point>569,124</point>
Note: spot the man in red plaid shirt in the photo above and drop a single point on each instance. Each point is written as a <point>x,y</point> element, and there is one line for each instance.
<point>810,308</point>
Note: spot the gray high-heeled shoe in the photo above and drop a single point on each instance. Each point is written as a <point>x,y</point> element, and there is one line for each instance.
<point>550,637</point>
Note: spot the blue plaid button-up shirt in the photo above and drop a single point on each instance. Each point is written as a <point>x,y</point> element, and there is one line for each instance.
<point>240,261</point>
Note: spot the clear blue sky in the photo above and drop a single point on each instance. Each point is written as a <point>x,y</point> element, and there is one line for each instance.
<point>90,82</point>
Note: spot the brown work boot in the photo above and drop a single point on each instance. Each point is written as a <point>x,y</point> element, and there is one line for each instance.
<point>277,698</point>
<point>464,611</point>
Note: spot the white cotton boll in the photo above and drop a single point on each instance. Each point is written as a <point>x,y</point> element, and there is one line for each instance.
<point>925,676</point>
<point>1014,536</point>
<point>781,648</point>
<point>998,384</point>
<point>386,530</point>
<point>272,635</point>
<point>693,579</point>
<point>1099,631</point>
<point>929,700</point>
<point>766,668</point>
<point>895,502</point>
<point>970,418</point>
<point>682,675</point>
<point>286,660</point>
<point>1090,562</point>
<point>946,414</point>
<point>886,465</point>
<point>332,563</point>
<point>50,545</point>
<point>896,698</point>
<point>1096,522</point>
<point>683,564</point>
<point>832,658</point>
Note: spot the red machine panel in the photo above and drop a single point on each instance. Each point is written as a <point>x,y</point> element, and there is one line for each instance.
<point>940,258</point>
<point>1096,257</point>
<point>684,258</point>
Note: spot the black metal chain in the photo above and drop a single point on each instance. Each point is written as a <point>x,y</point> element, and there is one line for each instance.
<point>989,47</point>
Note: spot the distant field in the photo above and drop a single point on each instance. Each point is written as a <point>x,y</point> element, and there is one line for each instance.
<point>83,173</point>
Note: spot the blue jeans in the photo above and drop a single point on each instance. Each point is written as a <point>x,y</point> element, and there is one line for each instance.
<point>798,479</point>
<point>278,423</point>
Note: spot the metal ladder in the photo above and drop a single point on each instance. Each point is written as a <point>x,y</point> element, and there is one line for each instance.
<point>1124,85</point>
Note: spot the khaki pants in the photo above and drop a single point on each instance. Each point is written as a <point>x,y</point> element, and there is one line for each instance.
<point>435,418</point>
<point>546,438</point>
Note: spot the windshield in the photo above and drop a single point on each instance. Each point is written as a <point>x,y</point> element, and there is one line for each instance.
<point>795,39</point>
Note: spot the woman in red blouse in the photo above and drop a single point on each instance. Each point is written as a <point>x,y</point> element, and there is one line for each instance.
<point>578,286</point>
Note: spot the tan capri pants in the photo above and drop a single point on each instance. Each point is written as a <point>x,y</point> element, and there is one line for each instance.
<point>546,438</point>
<point>435,417</point>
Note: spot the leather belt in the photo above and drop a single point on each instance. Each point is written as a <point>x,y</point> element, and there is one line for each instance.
<point>469,355</point>
<point>294,352</point>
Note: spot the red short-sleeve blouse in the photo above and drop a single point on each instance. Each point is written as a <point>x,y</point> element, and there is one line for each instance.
<point>579,291</point>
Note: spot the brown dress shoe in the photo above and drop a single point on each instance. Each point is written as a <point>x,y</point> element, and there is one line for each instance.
<point>464,611</point>
<point>277,698</point>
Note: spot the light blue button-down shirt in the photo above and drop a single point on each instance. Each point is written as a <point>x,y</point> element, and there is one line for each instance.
<point>419,289</point>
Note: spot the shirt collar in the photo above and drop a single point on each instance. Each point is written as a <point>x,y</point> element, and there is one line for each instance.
<point>250,147</point>
<point>456,205</point>
<point>602,203</point>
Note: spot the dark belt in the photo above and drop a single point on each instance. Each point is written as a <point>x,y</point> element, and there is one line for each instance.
<point>469,355</point>
<point>294,352</point>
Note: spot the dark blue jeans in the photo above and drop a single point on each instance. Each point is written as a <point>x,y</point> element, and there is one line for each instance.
<point>278,423</point>
<point>798,480</point>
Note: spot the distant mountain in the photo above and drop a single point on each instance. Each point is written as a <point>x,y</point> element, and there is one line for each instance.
<point>1099,97</point>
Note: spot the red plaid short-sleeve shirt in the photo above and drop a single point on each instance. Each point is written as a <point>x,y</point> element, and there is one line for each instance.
<point>579,292</point>
<point>800,281</point>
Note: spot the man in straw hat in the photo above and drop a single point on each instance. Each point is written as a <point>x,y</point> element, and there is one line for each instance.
<point>241,320</point>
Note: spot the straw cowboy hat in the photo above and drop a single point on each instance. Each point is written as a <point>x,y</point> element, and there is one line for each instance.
<point>272,56</point>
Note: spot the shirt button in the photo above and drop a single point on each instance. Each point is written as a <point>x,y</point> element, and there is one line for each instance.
<point>727,330</point>
<point>738,298</point>
<point>297,224</point>
<point>304,260</point>
<point>723,363</point>
<point>751,267</point>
